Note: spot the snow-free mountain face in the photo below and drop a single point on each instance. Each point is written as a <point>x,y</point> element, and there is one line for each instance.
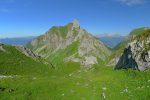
<point>70,43</point>
<point>133,51</point>
<point>110,40</point>
<point>137,53</point>
<point>119,49</point>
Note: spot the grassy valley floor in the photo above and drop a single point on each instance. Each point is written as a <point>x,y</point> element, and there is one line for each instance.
<point>97,84</point>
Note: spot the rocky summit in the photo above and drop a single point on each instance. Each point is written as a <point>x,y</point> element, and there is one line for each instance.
<point>137,53</point>
<point>73,42</point>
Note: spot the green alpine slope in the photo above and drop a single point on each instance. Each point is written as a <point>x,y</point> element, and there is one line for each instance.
<point>15,62</point>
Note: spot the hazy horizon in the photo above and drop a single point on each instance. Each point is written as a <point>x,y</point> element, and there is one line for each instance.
<point>96,35</point>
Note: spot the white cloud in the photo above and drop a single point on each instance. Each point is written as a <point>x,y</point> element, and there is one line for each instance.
<point>132,2</point>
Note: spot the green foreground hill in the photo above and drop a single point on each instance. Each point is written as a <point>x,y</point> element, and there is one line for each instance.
<point>76,85</point>
<point>15,62</point>
<point>24,77</point>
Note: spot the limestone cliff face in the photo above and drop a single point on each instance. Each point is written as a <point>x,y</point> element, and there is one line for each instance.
<point>87,50</point>
<point>137,53</point>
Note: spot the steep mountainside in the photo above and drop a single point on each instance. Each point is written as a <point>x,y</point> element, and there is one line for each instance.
<point>70,43</point>
<point>16,60</point>
<point>137,53</point>
<point>119,49</point>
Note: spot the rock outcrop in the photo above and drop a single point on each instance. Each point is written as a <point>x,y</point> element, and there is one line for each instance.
<point>28,52</point>
<point>137,53</point>
<point>76,43</point>
<point>1,48</point>
<point>76,24</point>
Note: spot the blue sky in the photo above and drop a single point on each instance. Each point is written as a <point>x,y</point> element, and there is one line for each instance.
<point>33,17</point>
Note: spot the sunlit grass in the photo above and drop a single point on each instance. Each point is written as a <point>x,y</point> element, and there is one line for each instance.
<point>35,81</point>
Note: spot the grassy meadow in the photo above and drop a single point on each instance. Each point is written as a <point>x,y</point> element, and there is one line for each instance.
<point>96,84</point>
<point>27,79</point>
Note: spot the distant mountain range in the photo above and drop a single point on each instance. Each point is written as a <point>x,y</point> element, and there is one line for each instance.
<point>17,41</point>
<point>110,40</point>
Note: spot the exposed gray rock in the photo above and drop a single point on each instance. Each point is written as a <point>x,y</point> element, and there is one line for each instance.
<point>126,60</point>
<point>114,60</point>
<point>136,55</point>
<point>1,48</point>
<point>76,24</point>
<point>88,48</point>
<point>91,60</point>
<point>28,52</point>
<point>9,76</point>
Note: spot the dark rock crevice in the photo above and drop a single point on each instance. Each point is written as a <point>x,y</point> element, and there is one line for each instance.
<point>127,61</point>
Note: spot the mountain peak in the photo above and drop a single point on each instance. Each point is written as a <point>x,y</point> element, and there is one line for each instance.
<point>76,23</point>
<point>74,45</point>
